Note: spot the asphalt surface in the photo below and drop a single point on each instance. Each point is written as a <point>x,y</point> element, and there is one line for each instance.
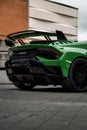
<point>43,108</point>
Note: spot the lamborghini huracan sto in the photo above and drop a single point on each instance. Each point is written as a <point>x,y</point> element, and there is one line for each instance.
<point>44,58</point>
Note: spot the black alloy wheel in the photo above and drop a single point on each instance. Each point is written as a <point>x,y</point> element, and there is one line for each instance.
<point>77,79</point>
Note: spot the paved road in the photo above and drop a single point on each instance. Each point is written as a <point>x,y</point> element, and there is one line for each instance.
<point>43,108</point>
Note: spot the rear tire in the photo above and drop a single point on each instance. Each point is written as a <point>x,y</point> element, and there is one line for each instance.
<point>77,79</point>
<point>23,86</point>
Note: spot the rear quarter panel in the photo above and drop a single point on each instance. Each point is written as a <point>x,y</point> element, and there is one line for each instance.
<point>69,55</point>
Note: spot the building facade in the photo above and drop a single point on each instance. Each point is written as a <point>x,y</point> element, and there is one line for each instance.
<point>17,15</point>
<point>50,16</point>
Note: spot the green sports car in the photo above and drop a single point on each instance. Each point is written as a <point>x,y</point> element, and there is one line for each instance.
<point>44,58</point>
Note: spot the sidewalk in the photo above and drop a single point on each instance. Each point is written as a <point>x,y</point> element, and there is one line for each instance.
<point>43,108</point>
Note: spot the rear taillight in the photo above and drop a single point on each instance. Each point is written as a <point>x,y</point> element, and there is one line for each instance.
<point>48,53</point>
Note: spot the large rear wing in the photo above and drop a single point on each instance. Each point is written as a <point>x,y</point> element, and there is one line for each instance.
<point>11,38</point>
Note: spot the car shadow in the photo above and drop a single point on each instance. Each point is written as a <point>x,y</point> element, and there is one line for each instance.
<point>51,90</point>
<point>54,89</point>
<point>47,89</point>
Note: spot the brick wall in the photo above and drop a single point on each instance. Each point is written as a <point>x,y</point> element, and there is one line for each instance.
<point>13,16</point>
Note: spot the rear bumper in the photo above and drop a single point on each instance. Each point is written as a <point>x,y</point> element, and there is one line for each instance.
<point>36,79</point>
<point>30,70</point>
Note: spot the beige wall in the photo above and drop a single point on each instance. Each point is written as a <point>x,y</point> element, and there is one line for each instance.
<point>49,16</point>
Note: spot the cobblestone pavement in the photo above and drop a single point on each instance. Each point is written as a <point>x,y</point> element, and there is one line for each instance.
<point>43,108</point>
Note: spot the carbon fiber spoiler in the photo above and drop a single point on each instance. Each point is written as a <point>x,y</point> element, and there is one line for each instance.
<point>11,38</point>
